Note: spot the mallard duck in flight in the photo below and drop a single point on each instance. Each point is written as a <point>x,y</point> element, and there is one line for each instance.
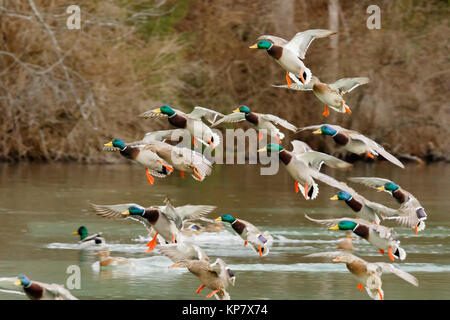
<point>191,122</point>
<point>145,156</point>
<point>367,273</point>
<point>330,94</point>
<point>215,276</point>
<point>259,120</point>
<point>260,241</point>
<point>35,290</point>
<point>353,141</point>
<point>379,236</point>
<point>410,214</point>
<point>303,164</point>
<point>289,54</point>
<point>165,220</point>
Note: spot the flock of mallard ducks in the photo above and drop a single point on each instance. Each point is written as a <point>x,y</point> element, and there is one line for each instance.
<point>166,223</point>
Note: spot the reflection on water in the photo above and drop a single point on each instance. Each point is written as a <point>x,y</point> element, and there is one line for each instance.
<point>41,205</point>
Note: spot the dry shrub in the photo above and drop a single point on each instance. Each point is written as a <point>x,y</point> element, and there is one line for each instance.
<point>64,92</point>
<point>404,107</point>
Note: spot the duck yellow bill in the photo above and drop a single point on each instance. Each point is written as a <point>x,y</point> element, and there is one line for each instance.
<point>218,219</point>
<point>381,188</point>
<point>18,282</point>
<point>262,149</point>
<point>255,46</point>
<point>76,232</point>
<point>336,227</point>
<point>236,110</point>
<point>158,110</point>
<point>335,197</point>
<point>318,131</point>
<point>126,212</point>
<point>109,144</point>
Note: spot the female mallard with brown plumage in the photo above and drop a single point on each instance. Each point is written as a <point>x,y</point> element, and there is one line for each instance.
<point>260,241</point>
<point>353,141</point>
<point>259,120</point>
<point>330,94</point>
<point>191,122</point>
<point>289,54</point>
<point>215,276</point>
<point>379,236</point>
<point>368,274</point>
<point>107,261</point>
<point>410,214</point>
<point>165,221</point>
<point>142,154</point>
<point>35,290</point>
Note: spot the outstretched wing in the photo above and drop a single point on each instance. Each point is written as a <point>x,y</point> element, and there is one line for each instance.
<point>375,147</point>
<point>115,212</point>
<point>278,121</point>
<point>200,112</point>
<point>224,272</point>
<point>301,41</point>
<point>231,118</point>
<point>297,86</point>
<point>163,135</point>
<point>278,41</point>
<point>315,160</point>
<point>300,147</point>
<point>333,222</point>
<point>183,251</point>
<point>58,291</point>
<point>348,84</point>
<point>390,268</point>
<point>331,255</point>
<point>151,114</point>
<point>372,182</point>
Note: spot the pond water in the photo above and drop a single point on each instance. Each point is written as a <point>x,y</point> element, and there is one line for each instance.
<point>42,204</point>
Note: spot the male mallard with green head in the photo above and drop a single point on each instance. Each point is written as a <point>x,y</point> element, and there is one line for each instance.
<point>368,274</point>
<point>260,241</point>
<point>379,236</point>
<point>35,290</point>
<point>142,154</point>
<point>353,141</point>
<point>215,276</point>
<point>410,214</point>
<point>259,120</point>
<point>87,240</point>
<point>304,164</point>
<point>289,54</point>
<point>165,221</point>
<point>330,94</point>
<point>191,122</point>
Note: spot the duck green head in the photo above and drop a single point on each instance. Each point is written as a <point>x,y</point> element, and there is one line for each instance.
<point>22,280</point>
<point>344,225</point>
<point>82,232</point>
<point>117,143</point>
<point>165,109</point>
<point>341,195</point>
<point>226,218</point>
<point>243,109</point>
<point>262,44</point>
<point>389,186</point>
<point>134,211</point>
<point>272,147</point>
<point>326,130</point>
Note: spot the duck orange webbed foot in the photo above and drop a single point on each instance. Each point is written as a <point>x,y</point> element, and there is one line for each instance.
<point>379,293</point>
<point>415,229</point>
<point>371,156</point>
<point>169,168</point>
<point>197,174</point>
<point>326,113</point>
<point>260,252</point>
<point>212,293</point>
<point>151,180</point>
<point>288,80</point>
<point>245,243</point>
<point>200,289</point>
<point>182,174</point>
<point>194,141</point>
<point>360,287</point>
<point>391,256</point>
<point>296,186</point>
<point>152,244</point>
<point>381,251</point>
<point>347,109</point>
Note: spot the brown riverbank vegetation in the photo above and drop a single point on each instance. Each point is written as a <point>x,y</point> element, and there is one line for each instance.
<point>63,93</point>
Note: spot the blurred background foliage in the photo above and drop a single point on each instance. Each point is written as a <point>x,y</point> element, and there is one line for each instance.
<point>63,93</point>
